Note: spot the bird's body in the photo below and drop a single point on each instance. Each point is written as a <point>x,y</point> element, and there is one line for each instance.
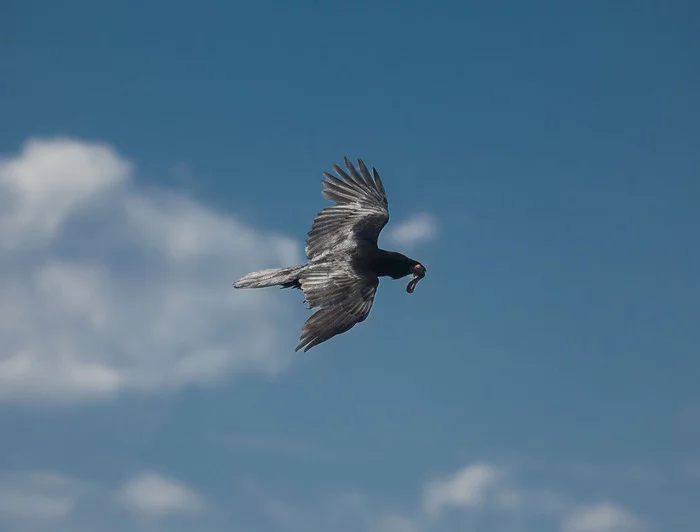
<point>344,262</point>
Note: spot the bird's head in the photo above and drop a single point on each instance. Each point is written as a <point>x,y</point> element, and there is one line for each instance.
<point>418,271</point>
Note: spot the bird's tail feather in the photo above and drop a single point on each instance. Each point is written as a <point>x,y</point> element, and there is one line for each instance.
<point>284,277</point>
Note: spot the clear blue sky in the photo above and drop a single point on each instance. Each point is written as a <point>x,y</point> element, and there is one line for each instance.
<point>554,341</point>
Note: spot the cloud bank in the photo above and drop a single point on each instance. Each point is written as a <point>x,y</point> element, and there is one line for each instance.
<point>486,488</point>
<point>107,286</point>
<point>479,496</point>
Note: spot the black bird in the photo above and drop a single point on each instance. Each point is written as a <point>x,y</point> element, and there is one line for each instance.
<point>344,262</point>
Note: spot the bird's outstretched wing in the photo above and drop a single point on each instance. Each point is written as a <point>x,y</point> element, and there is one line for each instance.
<point>344,295</point>
<point>360,213</point>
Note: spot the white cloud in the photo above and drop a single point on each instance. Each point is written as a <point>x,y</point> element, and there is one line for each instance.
<point>469,487</point>
<point>108,287</point>
<point>48,182</point>
<point>417,229</point>
<point>38,496</point>
<point>489,490</point>
<point>49,501</point>
<point>489,497</point>
<point>603,517</point>
<point>151,493</point>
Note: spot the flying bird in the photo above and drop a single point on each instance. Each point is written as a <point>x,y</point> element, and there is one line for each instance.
<point>344,261</point>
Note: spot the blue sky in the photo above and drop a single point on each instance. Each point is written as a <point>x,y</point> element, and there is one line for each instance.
<point>541,160</point>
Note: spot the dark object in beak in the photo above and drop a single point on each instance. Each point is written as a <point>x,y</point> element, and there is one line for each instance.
<point>418,273</point>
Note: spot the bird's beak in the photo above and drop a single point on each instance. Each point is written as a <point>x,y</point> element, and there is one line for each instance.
<point>418,273</point>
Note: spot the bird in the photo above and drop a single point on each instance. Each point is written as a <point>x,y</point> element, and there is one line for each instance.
<point>344,262</point>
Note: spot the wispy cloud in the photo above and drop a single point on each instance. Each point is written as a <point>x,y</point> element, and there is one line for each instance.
<point>415,230</point>
<point>468,487</point>
<point>109,287</point>
<point>152,493</point>
<point>603,517</point>
<point>480,496</point>
<point>38,496</point>
<point>485,488</point>
<point>50,501</point>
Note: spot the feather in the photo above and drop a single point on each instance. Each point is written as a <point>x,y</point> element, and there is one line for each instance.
<point>360,213</point>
